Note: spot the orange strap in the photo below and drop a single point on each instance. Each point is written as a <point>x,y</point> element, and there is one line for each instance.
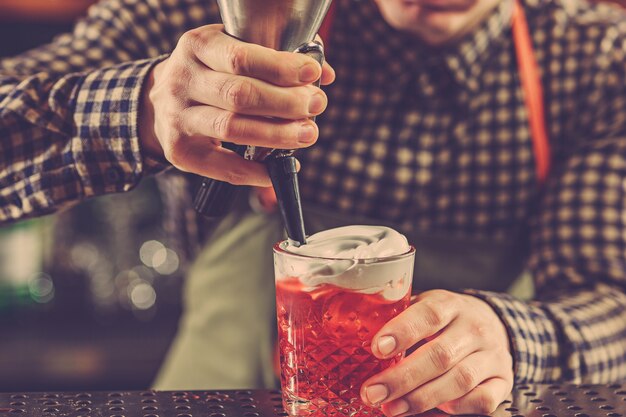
<point>533,92</point>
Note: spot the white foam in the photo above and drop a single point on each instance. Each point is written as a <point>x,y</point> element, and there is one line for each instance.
<point>341,258</point>
<point>354,242</point>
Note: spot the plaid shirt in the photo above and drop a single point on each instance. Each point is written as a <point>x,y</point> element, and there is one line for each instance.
<point>434,140</point>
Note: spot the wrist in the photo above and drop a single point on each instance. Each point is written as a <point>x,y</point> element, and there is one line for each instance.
<point>499,326</point>
<point>150,146</point>
<point>532,336</point>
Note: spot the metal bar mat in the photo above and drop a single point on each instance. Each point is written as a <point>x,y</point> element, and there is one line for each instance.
<point>525,401</point>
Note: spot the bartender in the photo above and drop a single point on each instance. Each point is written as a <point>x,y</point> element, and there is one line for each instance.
<point>435,127</point>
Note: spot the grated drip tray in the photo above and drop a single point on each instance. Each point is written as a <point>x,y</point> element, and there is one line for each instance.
<point>526,401</point>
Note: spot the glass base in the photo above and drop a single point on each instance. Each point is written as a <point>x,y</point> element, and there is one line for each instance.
<point>297,407</point>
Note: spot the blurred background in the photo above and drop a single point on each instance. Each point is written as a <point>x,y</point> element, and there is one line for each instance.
<point>90,298</point>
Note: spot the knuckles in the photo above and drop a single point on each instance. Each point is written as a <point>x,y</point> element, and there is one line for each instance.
<point>442,356</point>
<point>177,84</point>
<point>433,314</point>
<point>190,42</point>
<point>486,404</point>
<point>173,84</point>
<point>237,56</point>
<point>419,403</point>
<point>408,328</point>
<point>193,40</point>
<point>225,126</point>
<point>482,403</point>
<point>239,94</point>
<point>466,377</point>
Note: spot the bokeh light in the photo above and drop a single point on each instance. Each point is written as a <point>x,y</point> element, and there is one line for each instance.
<point>142,295</point>
<point>83,255</point>
<point>168,262</point>
<point>41,288</point>
<point>149,251</point>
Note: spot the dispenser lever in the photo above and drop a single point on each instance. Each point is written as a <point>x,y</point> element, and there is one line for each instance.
<point>214,198</point>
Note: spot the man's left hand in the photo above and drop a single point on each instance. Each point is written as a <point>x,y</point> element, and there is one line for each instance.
<point>463,364</point>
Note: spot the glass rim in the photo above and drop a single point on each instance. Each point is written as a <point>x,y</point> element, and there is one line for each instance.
<point>279,250</point>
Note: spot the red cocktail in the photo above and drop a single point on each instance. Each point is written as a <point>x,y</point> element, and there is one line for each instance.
<point>325,331</point>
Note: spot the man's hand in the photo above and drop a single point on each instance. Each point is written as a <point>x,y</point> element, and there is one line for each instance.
<point>214,88</point>
<point>462,366</point>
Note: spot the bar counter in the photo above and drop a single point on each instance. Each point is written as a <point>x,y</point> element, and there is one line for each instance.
<point>525,401</point>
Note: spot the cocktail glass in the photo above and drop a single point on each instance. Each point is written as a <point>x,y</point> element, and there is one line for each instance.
<point>328,311</point>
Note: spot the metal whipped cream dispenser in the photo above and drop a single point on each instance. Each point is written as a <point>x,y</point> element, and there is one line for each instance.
<point>285,25</point>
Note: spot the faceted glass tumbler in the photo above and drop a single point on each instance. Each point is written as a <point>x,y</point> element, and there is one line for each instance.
<point>328,312</point>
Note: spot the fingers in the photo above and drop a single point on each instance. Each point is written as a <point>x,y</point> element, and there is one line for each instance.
<point>253,97</point>
<point>462,347</point>
<point>454,384</point>
<point>204,157</point>
<point>432,311</point>
<point>227,126</point>
<point>427,363</point>
<point>215,88</point>
<point>224,53</point>
<point>328,74</point>
<point>484,399</point>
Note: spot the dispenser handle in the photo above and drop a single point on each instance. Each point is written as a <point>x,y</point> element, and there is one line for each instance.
<point>215,198</point>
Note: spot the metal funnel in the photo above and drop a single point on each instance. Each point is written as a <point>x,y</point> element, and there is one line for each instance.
<point>283,25</point>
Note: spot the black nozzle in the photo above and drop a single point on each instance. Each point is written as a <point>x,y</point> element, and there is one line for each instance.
<point>284,175</point>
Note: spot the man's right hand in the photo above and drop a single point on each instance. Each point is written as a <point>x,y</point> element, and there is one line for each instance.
<point>215,88</point>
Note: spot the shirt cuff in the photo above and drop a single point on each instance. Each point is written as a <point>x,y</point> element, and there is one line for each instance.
<point>105,148</point>
<point>533,337</point>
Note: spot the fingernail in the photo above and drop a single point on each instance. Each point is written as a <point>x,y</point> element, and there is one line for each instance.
<point>376,393</point>
<point>386,344</point>
<point>398,407</point>
<point>306,133</point>
<point>316,105</point>
<point>308,73</point>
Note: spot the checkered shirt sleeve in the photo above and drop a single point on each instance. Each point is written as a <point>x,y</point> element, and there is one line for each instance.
<point>69,110</point>
<point>575,329</point>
